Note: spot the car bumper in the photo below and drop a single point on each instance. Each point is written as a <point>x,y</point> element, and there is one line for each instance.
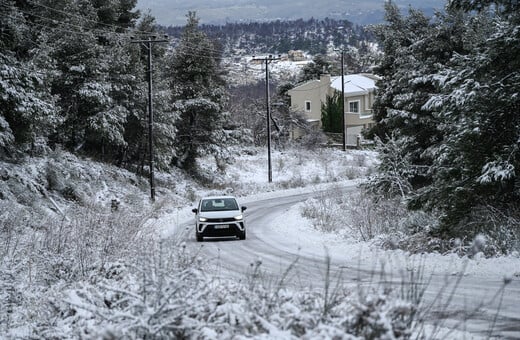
<point>220,229</point>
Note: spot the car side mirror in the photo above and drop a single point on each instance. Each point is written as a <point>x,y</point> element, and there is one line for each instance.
<point>195,210</point>
<point>243,209</point>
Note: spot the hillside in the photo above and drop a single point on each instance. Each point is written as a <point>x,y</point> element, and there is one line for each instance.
<point>54,184</point>
<point>315,36</point>
<point>219,12</point>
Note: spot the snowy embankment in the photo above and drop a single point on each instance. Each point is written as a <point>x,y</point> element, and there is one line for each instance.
<point>73,267</point>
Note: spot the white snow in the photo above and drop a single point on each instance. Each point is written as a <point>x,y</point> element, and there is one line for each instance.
<point>294,172</point>
<point>251,172</point>
<point>354,83</point>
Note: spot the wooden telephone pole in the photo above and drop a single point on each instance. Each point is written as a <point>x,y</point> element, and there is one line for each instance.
<point>148,44</point>
<point>268,60</point>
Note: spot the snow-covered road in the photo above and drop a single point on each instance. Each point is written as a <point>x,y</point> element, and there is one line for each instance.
<point>460,293</point>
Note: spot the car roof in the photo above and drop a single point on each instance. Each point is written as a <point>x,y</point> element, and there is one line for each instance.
<point>217,197</point>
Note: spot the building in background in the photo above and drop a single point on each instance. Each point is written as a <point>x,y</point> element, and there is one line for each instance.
<point>359,97</point>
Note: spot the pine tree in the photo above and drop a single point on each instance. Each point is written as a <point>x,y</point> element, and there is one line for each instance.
<point>199,97</point>
<point>479,161</point>
<point>81,75</point>
<point>319,65</point>
<point>416,51</point>
<point>27,109</point>
<point>92,72</point>
<point>412,54</point>
<point>449,99</point>
<point>331,119</point>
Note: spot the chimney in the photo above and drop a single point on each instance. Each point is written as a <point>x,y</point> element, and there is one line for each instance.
<point>325,78</point>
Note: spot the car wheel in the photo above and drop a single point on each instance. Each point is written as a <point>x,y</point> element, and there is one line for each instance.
<point>199,237</point>
<point>242,236</point>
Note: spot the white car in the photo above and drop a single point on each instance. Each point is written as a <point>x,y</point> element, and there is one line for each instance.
<point>219,216</point>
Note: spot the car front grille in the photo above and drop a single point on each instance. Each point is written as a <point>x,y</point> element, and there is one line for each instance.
<point>220,220</point>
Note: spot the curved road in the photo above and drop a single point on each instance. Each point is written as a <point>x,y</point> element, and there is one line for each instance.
<point>462,302</point>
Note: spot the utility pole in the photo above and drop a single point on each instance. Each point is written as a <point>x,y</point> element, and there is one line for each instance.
<point>148,44</point>
<point>267,60</point>
<point>344,128</point>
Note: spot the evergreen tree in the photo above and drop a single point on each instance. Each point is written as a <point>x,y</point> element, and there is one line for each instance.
<point>319,65</point>
<point>81,80</point>
<point>199,97</point>
<point>27,109</point>
<point>479,161</point>
<point>410,57</point>
<point>118,14</point>
<point>94,77</point>
<point>449,99</point>
<point>331,115</point>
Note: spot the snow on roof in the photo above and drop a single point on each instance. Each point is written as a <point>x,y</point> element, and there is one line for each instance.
<point>354,84</point>
<point>217,197</point>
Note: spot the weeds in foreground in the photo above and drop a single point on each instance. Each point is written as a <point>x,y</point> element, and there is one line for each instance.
<point>103,275</point>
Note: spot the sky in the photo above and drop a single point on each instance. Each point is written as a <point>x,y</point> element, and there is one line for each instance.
<point>173,12</point>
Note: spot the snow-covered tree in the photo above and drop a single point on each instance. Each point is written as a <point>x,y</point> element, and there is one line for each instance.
<point>319,65</point>
<point>92,74</point>
<point>478,164</point>
<point>449,98</point>
<point>416,49</point>
<point>199,97</point>
<point>27,109</point>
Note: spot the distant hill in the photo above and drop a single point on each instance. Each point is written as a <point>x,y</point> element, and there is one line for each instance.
<point>311,35</point>
<point>172,12</point>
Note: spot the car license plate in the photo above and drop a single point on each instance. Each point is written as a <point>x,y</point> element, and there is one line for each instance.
<point>222,226</point>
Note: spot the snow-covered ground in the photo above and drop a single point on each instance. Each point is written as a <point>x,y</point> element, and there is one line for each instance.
<point>290,232</point>
<point>60,278</point>
<point>315,171</point>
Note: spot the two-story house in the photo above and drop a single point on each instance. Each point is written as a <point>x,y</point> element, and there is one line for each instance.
<point>359,97</point>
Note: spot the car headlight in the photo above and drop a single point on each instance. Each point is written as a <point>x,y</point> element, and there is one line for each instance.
<point>239,217</point>
<point>202,219</point>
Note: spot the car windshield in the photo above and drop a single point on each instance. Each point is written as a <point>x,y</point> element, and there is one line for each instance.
<point>218,204</point>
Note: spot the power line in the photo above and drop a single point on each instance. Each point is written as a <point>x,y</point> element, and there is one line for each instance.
<point>210,53</point>
<point>85,18</point>
<point>84,30</point>
<point>87,31</point>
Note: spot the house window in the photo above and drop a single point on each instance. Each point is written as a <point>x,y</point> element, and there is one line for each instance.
<point>353,106</point>
<point>307,106</point>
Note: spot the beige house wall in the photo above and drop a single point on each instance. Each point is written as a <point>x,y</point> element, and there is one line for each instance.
<point>314,92</point>
<point>364,116</point>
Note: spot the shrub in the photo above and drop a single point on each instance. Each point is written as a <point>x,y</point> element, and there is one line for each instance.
<point>160,297</point>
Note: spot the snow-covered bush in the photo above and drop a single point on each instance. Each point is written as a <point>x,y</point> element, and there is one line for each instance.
<point>325,213</point>
<point>377,315</point>
<point>313,139</point>
<point>356,214</point>
<point>499,227</point>
<point>165,294</point>
<point>41,253</point>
